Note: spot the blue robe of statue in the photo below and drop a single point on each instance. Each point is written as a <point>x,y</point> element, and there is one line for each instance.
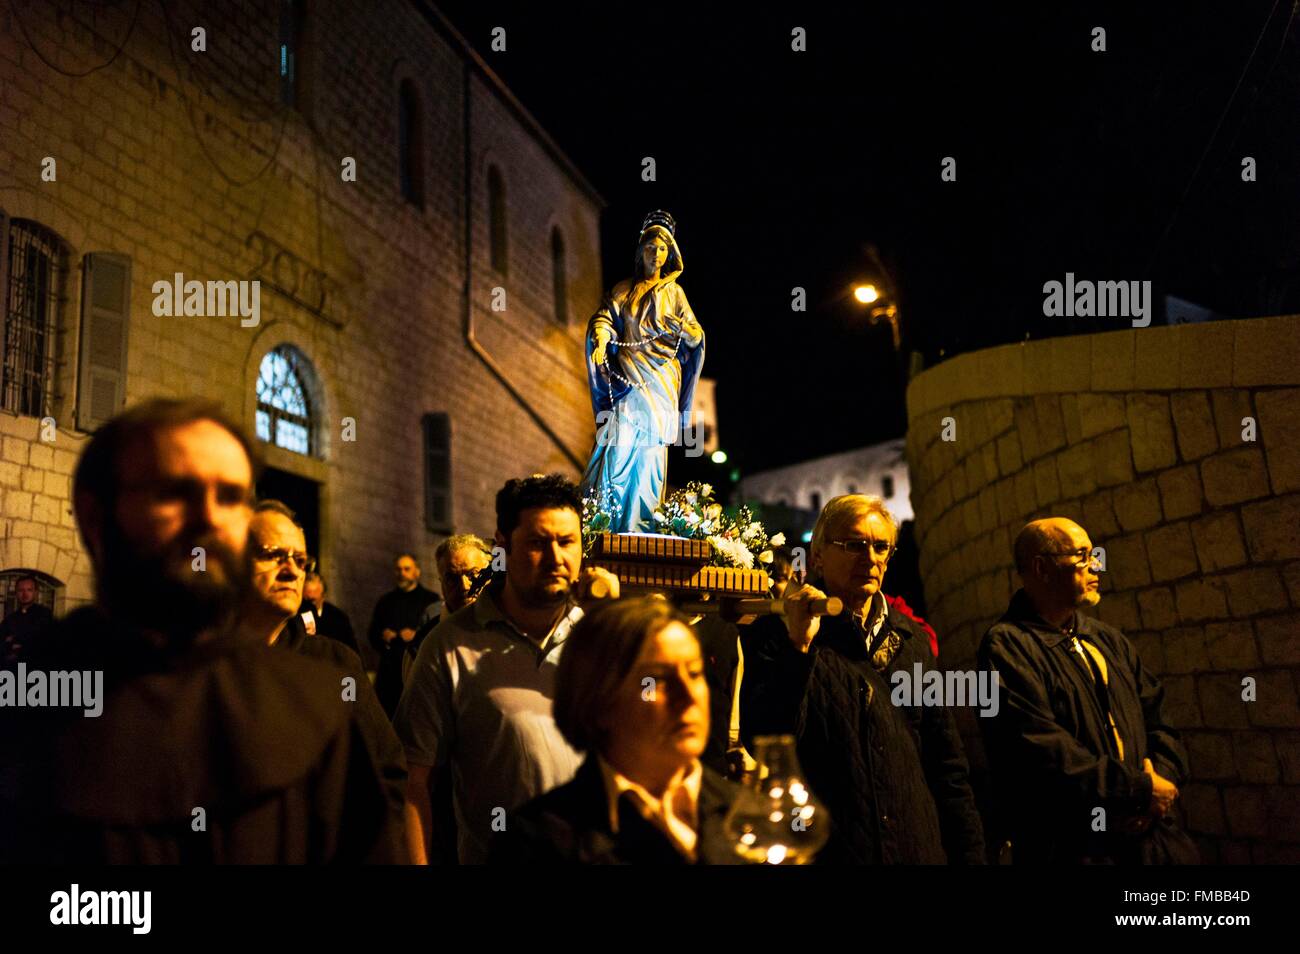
<point>642,398</point>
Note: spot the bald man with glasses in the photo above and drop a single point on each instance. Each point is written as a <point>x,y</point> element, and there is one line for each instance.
<point>278,564</point>
<point>1085,766</point>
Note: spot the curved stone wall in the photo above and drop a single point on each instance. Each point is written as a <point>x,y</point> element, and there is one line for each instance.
<point>1138,435</point>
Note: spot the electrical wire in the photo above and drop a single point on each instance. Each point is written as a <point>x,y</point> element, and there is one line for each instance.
<point>1178,207</point>
<point>135,16</point>
<point>1268,75</point>
<point>189,112</point>
<point>260,111</point>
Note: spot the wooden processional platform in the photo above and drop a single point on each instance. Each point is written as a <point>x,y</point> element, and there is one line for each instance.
<point>678,568</point>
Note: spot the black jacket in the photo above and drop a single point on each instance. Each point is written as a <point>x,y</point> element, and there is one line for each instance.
<point>377,731</point>
<point>20,632</point>
<point>257,739</point>
<point>894,778</point>
<point>398,610</point>
<point>1051,751</point>
<point>570,825</point>
<point>332,623</point>
<point>719,640</point>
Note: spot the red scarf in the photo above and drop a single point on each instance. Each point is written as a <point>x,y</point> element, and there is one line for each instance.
<point>897,603</point>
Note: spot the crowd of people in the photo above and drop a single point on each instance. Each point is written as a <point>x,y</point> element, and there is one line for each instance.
<point>530,716</point>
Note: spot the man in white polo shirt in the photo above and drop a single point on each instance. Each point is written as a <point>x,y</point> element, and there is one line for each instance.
<point>479,696</point>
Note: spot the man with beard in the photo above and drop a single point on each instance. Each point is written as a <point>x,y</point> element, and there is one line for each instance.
<point>1085,767</point>
<point>395,626</point>
<point>209,748</point>
<point>278,568</point>
<point>479,697</point>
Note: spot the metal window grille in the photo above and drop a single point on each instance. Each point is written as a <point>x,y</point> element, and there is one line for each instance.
<point>31,309</point>
<point>46,590</point>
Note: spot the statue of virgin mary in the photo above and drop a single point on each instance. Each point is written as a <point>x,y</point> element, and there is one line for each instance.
<point>644,354</point>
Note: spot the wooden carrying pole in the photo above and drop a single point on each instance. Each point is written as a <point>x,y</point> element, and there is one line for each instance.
<point>732,607</point>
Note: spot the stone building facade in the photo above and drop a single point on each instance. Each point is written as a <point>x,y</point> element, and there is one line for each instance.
<point>1178,450</point>
<point>427,258</point>
<point>880,469</point>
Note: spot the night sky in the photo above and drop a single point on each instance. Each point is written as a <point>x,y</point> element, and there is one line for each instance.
<point>781,168</point>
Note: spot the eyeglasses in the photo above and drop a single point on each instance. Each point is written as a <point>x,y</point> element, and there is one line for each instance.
<point>858,547</point>
<point>1082,556</point>
<point>278,555</point>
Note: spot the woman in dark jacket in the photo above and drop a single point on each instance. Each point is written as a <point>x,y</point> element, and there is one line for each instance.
<point>631,692</point>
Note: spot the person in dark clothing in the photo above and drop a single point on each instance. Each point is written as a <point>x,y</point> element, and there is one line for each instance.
<point>894,777</point>
<point>1085,767</point>
<point>278,568</point>
<point>382,743</point>
<point>398,616</point>
<point>720,642</point>
<point>206,748</point>
<point>464,564</point>
<point>572,825</point>
<point>905,569</point>
<point>326,619</point>
<point>215,752</point>
<point>631,692</point>
<point>23,628</point>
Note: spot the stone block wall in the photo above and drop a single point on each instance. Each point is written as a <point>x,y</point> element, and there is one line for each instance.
<point>1178,450</point>
<point>177,159</point>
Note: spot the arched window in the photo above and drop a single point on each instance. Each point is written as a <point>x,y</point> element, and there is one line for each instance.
<point>887,486</point>
<point>559,277</point>
<point>286,409</point>
<point>410,144</point>
<point>497,219</point>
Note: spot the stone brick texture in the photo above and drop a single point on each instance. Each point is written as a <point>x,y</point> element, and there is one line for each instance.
<point>175,157</point>
<point>1198,511</point>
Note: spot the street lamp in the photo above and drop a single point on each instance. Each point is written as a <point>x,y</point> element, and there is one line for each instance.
<point>882,311</point>
<point>888,313</point>
<point>883,303</point>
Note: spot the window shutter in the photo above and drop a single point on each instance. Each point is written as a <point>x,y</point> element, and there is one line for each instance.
<point>559,278</point>
<point>4,280</point>
<point>437,472</point>
<point>105,320</point>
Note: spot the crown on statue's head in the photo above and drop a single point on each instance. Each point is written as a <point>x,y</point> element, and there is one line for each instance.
<point>661,218</point>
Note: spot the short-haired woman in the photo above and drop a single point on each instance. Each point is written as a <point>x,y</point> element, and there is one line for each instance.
<point>631,693</point>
